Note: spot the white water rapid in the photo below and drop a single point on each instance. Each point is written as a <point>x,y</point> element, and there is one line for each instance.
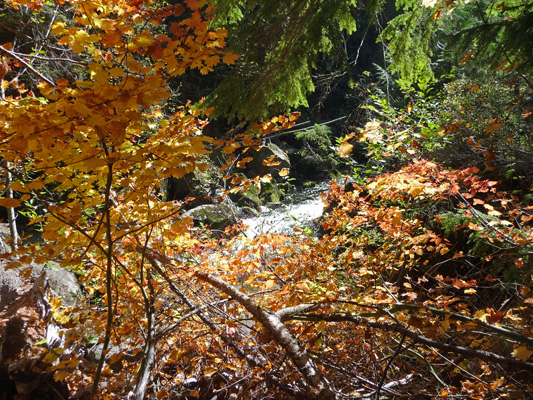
<point>300,210</point>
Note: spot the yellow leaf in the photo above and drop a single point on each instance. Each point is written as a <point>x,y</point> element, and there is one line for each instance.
<point>284,172</point>
<point>242,163</point>
<point>56,303</point>
<point>271,162</point>
<point>371,133</point>
<point>210,370</point>
<point>345,149</point>
<point>522,353</point>
<point>60,376</point>
<point>269,284</point>
<point>481,315</point>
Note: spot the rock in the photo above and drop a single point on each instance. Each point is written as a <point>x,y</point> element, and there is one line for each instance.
<point>179,189</point>
<point>33,383</point>
<point>214,216</point>
<point>13,339</point>
<point>61,283</point>
<point>24,321</point>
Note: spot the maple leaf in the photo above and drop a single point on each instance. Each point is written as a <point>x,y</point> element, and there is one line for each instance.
<point>494,125</point>
<point>229,58</point>
<point>345,149</point>
<point>522,353</point>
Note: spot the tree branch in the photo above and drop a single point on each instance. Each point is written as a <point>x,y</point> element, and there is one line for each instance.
<point>320,388</point>
<point>466,351</point>
<point>21,60</point>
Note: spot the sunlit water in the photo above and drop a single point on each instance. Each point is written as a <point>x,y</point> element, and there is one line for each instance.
<point>298,211</point>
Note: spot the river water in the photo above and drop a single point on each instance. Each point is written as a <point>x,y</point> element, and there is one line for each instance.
<point>297,210</point>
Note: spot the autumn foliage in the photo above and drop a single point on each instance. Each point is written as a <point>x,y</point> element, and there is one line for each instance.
<point>420,284</point>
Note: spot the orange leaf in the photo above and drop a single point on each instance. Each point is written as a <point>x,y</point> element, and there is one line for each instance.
<point>467,57</point>
<point>489,166</point>
<point>437,13</point>
<point>229,58</point>
<point>522,353</point>
<point>527,113</point>
<point>303,286</point>
<point>9,203</point>
<point>13,265</point>
<point>494,125</point>
<point>345,149</point>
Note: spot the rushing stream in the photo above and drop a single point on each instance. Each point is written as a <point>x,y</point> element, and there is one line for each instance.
<point>299,209</point>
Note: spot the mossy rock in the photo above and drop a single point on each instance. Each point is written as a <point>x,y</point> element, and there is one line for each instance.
<point>214,216</point>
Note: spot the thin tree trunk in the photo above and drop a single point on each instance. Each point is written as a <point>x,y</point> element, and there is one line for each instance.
<point>11,217</point>
<point>151,341</point>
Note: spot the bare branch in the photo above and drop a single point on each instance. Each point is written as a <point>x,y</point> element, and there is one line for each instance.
<point>320,387</point>
<point>54,59</point>
<point>466,351</point>
<point>21,60</point>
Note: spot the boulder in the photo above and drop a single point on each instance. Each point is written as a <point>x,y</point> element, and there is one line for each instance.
<point>60,283</point>
<point>24,321</point>
<point>214,216</point>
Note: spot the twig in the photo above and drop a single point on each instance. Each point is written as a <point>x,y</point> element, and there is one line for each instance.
<point>149,355</point>
<point>320,387</point>
<point>11,217</point>
<point>109,278</point>
<point>389,363</point>
<point>21,60</point>
<point>55,59</point>
<point>466,351</point>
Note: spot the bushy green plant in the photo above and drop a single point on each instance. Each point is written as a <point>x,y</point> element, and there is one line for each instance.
<point>485,116</point>
<point>317,144</point>
<point>470,121</point>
